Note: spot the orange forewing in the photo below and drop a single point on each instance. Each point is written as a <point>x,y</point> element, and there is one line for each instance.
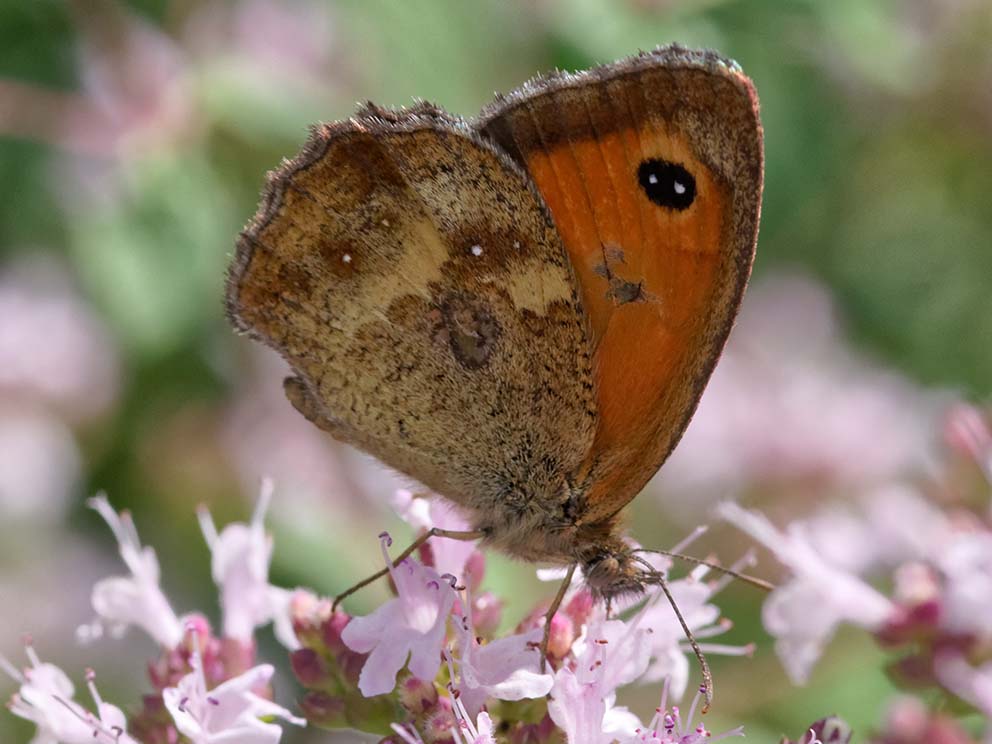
<point>642,347</point>
<point>660,286</point>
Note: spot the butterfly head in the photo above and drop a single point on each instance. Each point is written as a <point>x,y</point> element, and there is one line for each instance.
<point>613,572</point>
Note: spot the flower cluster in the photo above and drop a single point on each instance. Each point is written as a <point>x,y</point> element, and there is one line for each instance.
<point>206,689</point>
<point>932,541</point>
<point>427,665</point>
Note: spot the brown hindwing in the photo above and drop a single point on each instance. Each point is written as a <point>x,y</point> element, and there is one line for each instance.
<point>415,282</point>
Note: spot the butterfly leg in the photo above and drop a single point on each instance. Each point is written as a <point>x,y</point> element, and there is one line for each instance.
<point>555,604</point>
<point>432,532</point>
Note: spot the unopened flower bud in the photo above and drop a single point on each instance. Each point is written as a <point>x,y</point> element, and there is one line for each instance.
<point>309,668</point>
<point>968,430</point>
<point>308,612</point>
<point>331,632</point>
<point>561,636</point>
<point>197,632</point>
<point>534,733</point>
<point>417,695</point>
<point>351,664</point>
<point>321,709</point>
<point>438,727</point>
<point>580,606</point>
<point>832,730</point>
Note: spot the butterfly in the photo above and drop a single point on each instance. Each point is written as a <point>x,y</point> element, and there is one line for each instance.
<point>519,310</point>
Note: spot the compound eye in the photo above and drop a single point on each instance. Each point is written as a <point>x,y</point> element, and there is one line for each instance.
<point>667,184</point>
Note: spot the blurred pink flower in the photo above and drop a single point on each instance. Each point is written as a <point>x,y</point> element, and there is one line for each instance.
<point>909,720</point>
<point>411,625</point>
<point>46,699</point>
<point>138,599</point>
<point>791,402</point>
<point>966,601</point>
<point>971,684</point>
<point>267,40</point>
<point>54,350</point>
<point>136,81</point>
<point>886,526</point>
<point>40,463</point>
<point>803,613</point>
<point>969,430</point>
<point>230,712</point>
<point>58,368</point>
<point>240,558</point>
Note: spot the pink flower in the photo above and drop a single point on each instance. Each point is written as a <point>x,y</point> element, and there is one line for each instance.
<point>45,699</point>
<point>802,613</point>
<point>611,653</point>
<point>669,728</point>
<point>412,625</point>
<point>137,599</point>
<point>969,430</point>
<point>505,669</point>
<point>971,684</point>
<point>791,403</point>
<point>669,649</point>
<point>40,463</point>
<point>966,563</point>
<point>240,558</point>
<point>58,368</point>
<point>54,349</point>
<point>481,732</point>
<point>909,720</point>
<point>464,731</point>
<point>231,712</point>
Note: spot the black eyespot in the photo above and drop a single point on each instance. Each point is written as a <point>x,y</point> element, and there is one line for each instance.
<point>667,184</point>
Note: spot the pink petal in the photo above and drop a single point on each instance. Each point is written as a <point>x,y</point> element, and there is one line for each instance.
<point>378,676</point>
<point>361,634</point>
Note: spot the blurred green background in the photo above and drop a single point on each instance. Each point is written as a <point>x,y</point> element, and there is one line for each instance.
<point>134,137</point>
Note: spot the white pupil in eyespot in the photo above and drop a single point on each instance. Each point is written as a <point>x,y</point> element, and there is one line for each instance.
<point>679,188</point>
<point>652,179</point>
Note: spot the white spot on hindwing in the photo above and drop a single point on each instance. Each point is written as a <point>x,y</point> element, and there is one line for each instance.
<point>476,250</point>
